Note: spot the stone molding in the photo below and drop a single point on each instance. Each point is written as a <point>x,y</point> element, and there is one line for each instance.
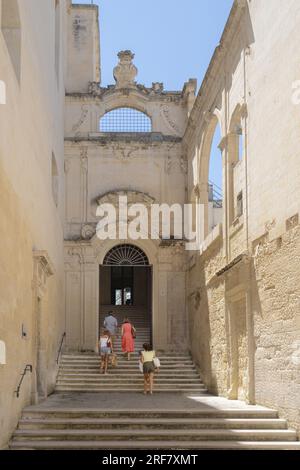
<point>43,268</point>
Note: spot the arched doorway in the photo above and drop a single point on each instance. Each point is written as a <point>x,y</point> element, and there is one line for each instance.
<point>125,288</point>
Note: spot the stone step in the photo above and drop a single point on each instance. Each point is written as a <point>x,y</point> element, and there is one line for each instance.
<point>121,356</point>
<point>88,413</point>
<point>137,375</point>
<point>127,389</point>
<point>171,444</point>
<point>93,355</point>
<point>161,434</point>
<point>130,366</point>
<point>95,360</point>
<point>149,423</point>
<point>129,384</point>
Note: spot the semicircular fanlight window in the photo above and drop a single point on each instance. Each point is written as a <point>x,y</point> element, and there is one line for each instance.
<point>126,255</point>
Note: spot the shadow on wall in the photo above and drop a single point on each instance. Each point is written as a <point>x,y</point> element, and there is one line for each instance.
<point>199,327</point>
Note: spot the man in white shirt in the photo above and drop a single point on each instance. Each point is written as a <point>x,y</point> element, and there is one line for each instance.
<point>111,324</point>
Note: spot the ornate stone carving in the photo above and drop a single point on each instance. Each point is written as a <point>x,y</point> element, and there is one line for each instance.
<point>82,118</point>
<point>94,88</point>
<point>292,222</point>
<point>168,164</point>
<point>88,231</point>
<point>183,165</point>
<point>43,269</point>
<point>76,253</point>
<point>270,224</point>
<point>196,190</point>
<point>157,87</point>
<point>133,197</point>
<point>84,159</point>
<point>125,72</point>
<point>166,114</point>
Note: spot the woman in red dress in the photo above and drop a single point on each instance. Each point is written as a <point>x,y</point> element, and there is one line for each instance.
<point>128,333</point>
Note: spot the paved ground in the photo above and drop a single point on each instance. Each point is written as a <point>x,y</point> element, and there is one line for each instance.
<point>133,401</point>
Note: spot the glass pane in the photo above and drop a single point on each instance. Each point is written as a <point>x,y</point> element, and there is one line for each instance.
<point>128,296</point>
<point>118,297</point>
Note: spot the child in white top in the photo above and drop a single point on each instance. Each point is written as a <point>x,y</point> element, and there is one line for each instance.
<point>105,349</point>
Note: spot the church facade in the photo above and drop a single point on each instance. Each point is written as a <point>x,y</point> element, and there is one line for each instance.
<point>69,146</point>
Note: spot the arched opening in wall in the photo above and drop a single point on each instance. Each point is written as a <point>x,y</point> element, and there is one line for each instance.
<point>236,150</point>
<point>215,176</point>
<point>125,289</point>
<point>125,120</point>
<point>57,38</point>
<point>55,180</point>
<point>11,30</point>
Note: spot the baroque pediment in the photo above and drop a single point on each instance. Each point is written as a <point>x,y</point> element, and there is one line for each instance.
<point>133,197</point>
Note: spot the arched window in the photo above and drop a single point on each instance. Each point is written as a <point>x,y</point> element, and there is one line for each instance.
<point>125,120</point>
<point>215,197</point>
<point>55,188</point>
<point>126,255</point>
<point>11,30</point>
<point>236,151</point>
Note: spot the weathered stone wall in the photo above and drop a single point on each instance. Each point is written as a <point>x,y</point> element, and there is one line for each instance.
<point>206,311</point>
<point>83,47</point>
<point>31,136</point>
<point>244,332</point>
<point>277,324</point>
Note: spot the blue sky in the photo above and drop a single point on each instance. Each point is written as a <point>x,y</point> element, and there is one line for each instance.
<point>173,40</point>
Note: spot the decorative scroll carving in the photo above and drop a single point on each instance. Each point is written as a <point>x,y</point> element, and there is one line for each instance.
<point>88,231</point>
<point>165,113</point>
<point>82,118</point>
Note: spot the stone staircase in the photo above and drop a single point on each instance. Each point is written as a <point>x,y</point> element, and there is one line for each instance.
<point>81,373</point>
<point>152,429</point>
<point>181,416</point>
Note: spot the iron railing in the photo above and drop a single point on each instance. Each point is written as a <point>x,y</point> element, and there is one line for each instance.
<point>28,368</point>
<point>215,194</point>
<point>60,347</point>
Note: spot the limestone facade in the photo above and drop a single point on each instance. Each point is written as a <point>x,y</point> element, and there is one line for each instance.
<point>243,291</point>
<point>146,168</point>
<point>32,201</point>
<point>235,300</point>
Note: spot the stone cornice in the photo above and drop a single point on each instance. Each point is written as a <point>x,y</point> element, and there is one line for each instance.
<point>97,94</point>
<point>148,138</point>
